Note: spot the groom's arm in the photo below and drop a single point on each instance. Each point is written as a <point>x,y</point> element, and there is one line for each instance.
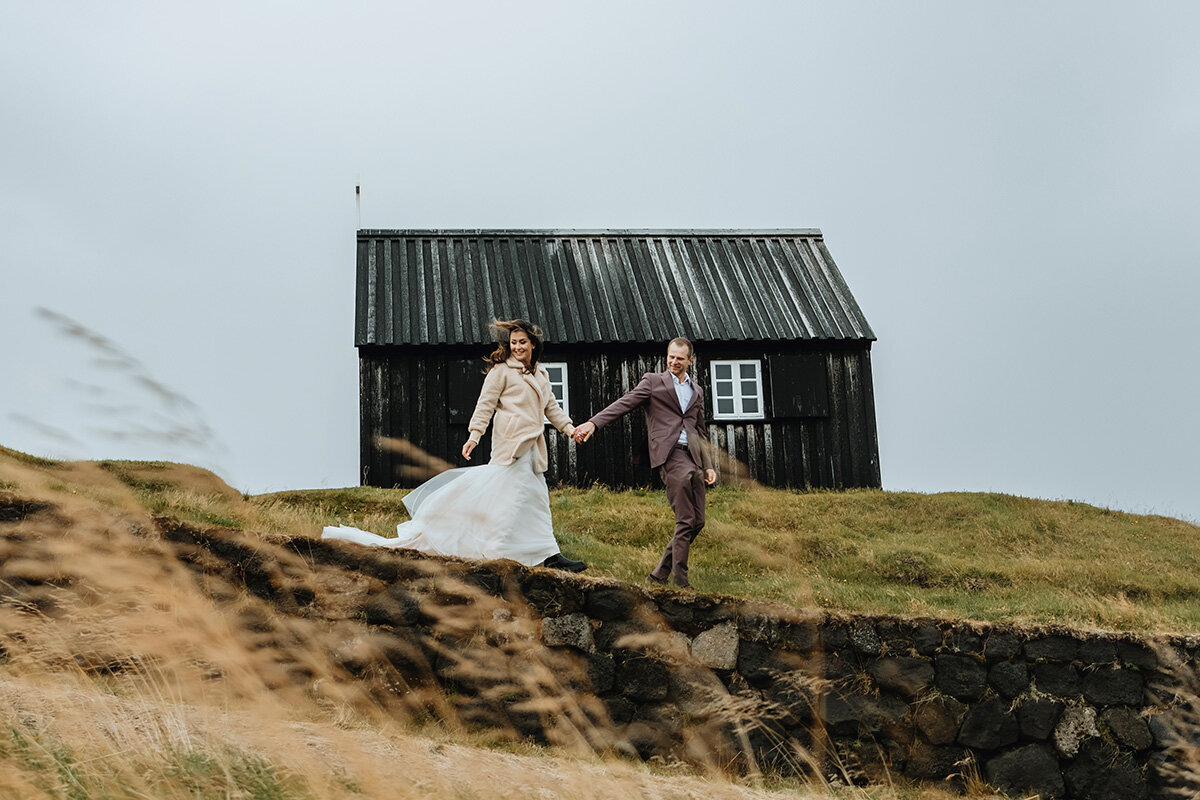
<point>618,408</point>
<point>624,404</point>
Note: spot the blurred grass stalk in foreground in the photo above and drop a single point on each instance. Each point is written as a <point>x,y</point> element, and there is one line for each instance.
<point>133,667</point>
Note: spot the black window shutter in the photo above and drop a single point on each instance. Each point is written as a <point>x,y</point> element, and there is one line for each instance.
<point>799,385</point>
<point>464,379</point>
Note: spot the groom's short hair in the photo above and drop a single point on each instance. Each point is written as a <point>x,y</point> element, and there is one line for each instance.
<point>686,343</point>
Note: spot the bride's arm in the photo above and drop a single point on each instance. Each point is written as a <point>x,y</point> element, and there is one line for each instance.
<point>485,406</point>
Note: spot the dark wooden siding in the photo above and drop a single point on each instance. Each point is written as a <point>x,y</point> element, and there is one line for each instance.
<point>425,395</point>
<point>836,448</point>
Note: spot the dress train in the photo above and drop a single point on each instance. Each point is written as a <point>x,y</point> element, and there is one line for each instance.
<point>490,511</point>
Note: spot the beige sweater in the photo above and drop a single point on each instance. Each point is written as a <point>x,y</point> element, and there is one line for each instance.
<point>520,403</point>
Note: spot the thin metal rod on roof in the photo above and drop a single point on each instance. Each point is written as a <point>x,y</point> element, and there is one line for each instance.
<point>357,202</point>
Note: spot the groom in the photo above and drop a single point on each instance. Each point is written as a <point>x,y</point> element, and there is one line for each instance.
<point>674,407</point>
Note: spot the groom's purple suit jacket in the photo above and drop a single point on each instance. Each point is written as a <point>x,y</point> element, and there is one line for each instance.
<point>655,393</point>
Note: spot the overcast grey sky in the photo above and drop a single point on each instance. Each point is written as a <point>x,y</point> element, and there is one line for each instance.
<point>1011,190</point>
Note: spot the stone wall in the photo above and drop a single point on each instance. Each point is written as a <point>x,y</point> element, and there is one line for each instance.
<point>1058,712</point>
<point>655,674</point>
<point>718,681</point>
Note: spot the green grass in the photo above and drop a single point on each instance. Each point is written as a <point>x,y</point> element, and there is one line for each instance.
<point>353,503</point>
<point>26,458</point>
<point>957,555</point>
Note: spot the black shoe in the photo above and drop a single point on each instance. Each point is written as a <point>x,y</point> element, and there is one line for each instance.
<point>655,579</point>
<point>558,561</point>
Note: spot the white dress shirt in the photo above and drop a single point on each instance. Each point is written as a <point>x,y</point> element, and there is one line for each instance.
<point>684,391</point>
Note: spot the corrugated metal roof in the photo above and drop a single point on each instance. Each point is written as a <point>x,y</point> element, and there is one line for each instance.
<point>445,286</point>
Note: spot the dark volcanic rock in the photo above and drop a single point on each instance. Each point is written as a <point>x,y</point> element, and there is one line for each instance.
<point>1009,678</point>
<point>886,714</point>
<point>678,612</point>
<point>896,642</point>
<point>870,762</point>
<point>1029,769</point>
<point>15,509</point>
<point>835,637</point>
<point>1113,687</point>
<point>610,603</point>
<point>964,641</point>
<point>772,749</point>
<point>1128,727</point>
<point>804,636</point>
<point>960,676</point>
<point>485,580</point>
<point>601,671</point>
<point>938,719</point>
<point>619,709</point>
<point>409,652</point>
<point>989,726</point>
<point>1097,651</point>
<point>1137,654</point>
<point>642,678</point>
<point>1001,646</point>
<point>905,676</point>
<point>756,626</point>
<point>1037,717</point>
<point>757,663</point>
<point>667,715</point>
<point>1060,680</point>
<point>927,639</point>
<point>1101,772</point>
<point>932,762</point>
<point>838,714</point>
<point>1052,648</point>
<point>552,594</point>
<point>835,668</point>
<point>857,714</point>
<point>609,635</point>
<point>793,702</point>
<point>708,611</point>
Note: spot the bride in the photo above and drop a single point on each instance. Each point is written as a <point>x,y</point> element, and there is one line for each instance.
<point>500,509</point>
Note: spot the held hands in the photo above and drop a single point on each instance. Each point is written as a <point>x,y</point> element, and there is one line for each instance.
<point>583,432</point>
<point>710,476</point>
<point>468,446</point>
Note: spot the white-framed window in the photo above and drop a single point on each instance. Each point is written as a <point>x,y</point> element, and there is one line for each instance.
<point>557,371</point>
<point>737,390</point>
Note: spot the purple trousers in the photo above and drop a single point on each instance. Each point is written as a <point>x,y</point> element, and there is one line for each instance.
<point>685,493</point>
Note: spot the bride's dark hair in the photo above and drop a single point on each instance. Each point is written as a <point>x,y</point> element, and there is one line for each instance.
<point>502,329</point>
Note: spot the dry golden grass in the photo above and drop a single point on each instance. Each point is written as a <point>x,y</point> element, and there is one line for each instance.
<point>125,674</point>
<point>74,738</point>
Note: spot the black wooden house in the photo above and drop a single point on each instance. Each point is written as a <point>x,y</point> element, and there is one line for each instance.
<point>782,349</point>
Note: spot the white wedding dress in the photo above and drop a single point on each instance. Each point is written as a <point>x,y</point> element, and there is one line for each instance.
<point>490,511</point>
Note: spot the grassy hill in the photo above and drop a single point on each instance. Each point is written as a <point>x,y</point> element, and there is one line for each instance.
<point>197,702</point>
<point>954,554</point>
<point>962,555</point>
